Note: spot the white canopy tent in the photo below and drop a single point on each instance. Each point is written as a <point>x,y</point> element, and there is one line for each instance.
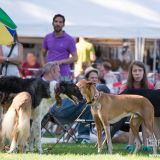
<point>89,18</point>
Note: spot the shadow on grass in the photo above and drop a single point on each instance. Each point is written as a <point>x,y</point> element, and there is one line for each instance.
<point>85,149</point>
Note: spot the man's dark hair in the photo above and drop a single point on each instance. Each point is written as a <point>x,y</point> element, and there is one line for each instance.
<point>59,15</point>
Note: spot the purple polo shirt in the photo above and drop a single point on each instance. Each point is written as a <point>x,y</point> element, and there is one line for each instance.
<point>59,48</point>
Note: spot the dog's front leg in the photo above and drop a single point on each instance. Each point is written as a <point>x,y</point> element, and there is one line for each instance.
<point>36,130</point>
<point>99,132</point>
<point>106,127</point>
<point>36,134</point>
<point>13,147</point>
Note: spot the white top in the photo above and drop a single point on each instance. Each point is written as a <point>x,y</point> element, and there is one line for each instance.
<point>11,69</point>
<point>110,79</point>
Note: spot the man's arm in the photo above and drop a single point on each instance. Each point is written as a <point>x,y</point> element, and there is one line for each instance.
<point>92,57</point>
<point>92,53</point>
<point>42,56</point>
<point>69,60</point>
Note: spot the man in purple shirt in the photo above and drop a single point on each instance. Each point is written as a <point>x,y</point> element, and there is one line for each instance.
<point>58,46</point>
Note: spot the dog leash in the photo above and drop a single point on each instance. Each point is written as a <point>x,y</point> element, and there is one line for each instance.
<point>81,112</point>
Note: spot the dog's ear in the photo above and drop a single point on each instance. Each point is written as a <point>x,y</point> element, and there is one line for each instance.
<point>62,89</point>
<point>62,86</point>
<point>57,95</point>
<point>58,100</point>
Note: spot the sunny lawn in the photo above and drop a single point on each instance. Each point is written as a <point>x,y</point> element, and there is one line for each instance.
<point>65,151</point>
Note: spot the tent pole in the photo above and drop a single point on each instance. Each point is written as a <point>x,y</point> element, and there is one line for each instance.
<point>154,56</point>
<point>139,48</point>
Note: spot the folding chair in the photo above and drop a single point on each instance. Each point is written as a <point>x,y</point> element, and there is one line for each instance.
<point>64,117</point>
<point>64,126</point>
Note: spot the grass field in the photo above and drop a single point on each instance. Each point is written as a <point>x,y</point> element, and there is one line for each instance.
<point>79,152</point>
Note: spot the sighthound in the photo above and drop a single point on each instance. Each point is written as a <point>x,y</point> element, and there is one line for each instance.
<point>107,109</point>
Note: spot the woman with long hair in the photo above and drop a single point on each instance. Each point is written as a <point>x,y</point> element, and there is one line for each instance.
<point>137,78</point>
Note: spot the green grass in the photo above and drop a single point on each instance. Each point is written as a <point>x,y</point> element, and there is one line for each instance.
<point>65,151</point>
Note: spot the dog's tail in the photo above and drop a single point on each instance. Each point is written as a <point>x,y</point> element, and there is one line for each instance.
<point>23,127</point>
<point>22,104</point>
<point>8,123</point>
<point>17,119</point>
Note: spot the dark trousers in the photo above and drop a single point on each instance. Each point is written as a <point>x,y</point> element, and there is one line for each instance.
<point>118,125</point>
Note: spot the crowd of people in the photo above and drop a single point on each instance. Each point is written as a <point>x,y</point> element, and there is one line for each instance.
<point>60,49</point>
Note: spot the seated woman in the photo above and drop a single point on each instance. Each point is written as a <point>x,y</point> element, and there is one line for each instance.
<point>137,78</point>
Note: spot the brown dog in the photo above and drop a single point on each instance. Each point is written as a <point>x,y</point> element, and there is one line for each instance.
<point>16,122</point>
<point>108,108</point>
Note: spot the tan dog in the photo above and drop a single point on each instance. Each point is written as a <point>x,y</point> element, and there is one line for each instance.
<point>108,108</point>
<point>16,122</point>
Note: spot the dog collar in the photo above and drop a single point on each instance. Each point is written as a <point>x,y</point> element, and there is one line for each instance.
<point>97,95</point>
<point>95,98</point>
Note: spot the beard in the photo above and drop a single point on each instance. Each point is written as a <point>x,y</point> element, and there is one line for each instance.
<point>57,29</point>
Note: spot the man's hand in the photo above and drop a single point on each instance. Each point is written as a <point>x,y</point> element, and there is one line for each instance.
<point>58,62</point>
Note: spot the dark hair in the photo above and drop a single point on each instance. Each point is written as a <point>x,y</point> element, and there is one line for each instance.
<point>130,79</point>
<point>59,15</point>
<point>107,65</point>
<point>87,75</point>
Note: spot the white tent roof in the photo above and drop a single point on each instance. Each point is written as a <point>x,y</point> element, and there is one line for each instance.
<point>89,18</point>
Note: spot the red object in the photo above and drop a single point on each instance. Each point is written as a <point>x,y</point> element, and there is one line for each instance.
<point>25,70</point>
<point>117,84</point>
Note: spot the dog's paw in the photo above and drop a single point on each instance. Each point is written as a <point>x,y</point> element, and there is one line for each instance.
<point>15,150</point>
<point>40,151</point>
<point>99,150</point>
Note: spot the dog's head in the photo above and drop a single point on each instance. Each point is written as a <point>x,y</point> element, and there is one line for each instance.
<point>87,89</point>
<point>70,89</point>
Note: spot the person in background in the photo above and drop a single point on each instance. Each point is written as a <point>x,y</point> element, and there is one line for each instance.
<point>109,77</point>
<point>86,54</point>
<point>81,75</point>
<point>59,47</point>
<point>10,64</point>
<point>137,78</point>
<point>30,66</point>
<point>50,72</point>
